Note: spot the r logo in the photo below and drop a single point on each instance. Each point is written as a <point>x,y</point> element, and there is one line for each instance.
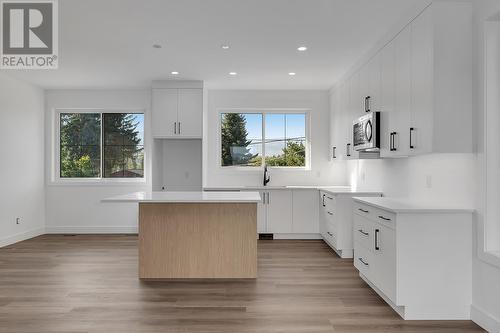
<point>27,28</point>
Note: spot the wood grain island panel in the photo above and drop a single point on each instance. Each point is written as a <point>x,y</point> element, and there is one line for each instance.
<point>197,240</point>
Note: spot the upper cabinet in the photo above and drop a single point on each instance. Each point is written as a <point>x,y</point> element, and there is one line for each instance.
<point>177,113</point>
<point>421,82</point>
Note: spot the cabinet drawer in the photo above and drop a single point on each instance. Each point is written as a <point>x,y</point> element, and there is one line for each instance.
<point>375,214</point>
<point>363,260</point>
<point>363,230</point>
<point>330,237</point>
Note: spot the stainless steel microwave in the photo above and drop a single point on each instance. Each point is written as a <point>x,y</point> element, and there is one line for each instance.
<point>366,132</point>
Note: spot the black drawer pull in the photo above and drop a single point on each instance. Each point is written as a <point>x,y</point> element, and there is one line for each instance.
<point>329,233</point>
<point>330,213</point>
<point>384,218</point>
<point>377,248</point>
<point>364,263</point>
<point>364,233</point>
<point>362,210</point>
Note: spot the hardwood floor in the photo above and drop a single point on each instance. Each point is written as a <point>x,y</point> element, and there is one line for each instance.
<point>88,283</point>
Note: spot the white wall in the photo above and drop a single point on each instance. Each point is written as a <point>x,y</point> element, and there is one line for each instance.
<point>486,277</point>
<point>322,171</point>
<point>178,165</point>
<point>77,207</point>
<point>22,155</point>
<point>443,178</point>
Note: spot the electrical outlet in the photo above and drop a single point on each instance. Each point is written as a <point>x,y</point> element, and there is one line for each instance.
<point>428,181</point>
<point>18,220</point>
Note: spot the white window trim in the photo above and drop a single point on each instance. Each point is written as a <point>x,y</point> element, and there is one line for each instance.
<point>55,177</point>
<point>486,252</point>
<point>264,111</point>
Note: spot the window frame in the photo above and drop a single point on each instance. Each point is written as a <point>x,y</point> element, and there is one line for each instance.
<point>56,177</point>
<point>264,111</point>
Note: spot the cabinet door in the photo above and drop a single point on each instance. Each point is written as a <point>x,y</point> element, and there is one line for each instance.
<point>334,118</point>
<point>384,260</point>
<point>279,211</point>
<point>305,213</point>
<point>374,83</point>
<point>261,214</point>
<point>164,112</point>
<point>387,102</point>
<point>400,123</point>
<point>422,83</point>
<point>352,114</point>
<point>190,114</point>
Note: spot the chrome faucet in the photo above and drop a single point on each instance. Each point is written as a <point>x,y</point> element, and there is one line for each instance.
<point>267,178</point>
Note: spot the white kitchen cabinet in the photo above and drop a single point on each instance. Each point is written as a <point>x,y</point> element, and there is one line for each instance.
<point>334,121</point>
<point>335,218</point>
<point>352,113</point>
<point>418,258</point>
<point>374,88</point>
<point>421,85</point>
<point>279,212</point>
<point>422,69</point>
<point>305,213</point>
<point>190,113</point>
<point>396,96</point>
<point>177,113</point>
<point>164,112</point>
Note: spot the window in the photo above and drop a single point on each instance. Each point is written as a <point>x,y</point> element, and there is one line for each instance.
<point>101,145</point>
<point>254,139</point>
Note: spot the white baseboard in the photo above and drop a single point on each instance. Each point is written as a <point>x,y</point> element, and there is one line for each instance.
<point>297,236</point>
<point>91,230</point>
<point>21,236</point>
<point>484,319</point>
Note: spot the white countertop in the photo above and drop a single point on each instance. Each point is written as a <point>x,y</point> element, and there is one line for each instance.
<point>399,205</point>
<point>333,189</point>
<point>188,197</point>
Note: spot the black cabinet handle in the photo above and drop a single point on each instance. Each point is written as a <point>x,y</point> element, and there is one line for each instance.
<point>329,233</point>
<point>362,210</point>
<point>323,203</point>
<point>364,233</point>
<point>384,218</point>
<point>394,141</point>
<point>175,128</point>
<point>364,263</point>
<point>330,213</point>
<point>334,150</point>
<point>367,104</point>
<point>348,149</point>
<point>411,143</point>
<point>376,239</point>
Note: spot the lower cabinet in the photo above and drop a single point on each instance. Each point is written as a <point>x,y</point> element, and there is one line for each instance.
<point>288,213</point>
<point>418,261</point>
<point>335,220</point>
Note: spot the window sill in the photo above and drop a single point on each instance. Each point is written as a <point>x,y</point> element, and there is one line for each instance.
<point>490,257</point>
<point>98,182</point>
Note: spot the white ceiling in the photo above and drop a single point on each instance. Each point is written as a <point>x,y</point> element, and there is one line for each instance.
<point>108,43</point>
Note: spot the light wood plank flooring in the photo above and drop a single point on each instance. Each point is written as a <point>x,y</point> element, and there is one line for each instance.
<point>88,283</point>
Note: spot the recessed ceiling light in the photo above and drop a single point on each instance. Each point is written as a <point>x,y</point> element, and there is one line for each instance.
<point>233,73</point>
<point>157,46</point>
<point>292,73</point>
<point>174,73</point>
<point>225,47</point>
<point>302,48</point>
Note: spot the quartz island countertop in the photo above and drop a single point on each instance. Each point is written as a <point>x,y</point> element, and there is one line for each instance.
<point>187,197</point>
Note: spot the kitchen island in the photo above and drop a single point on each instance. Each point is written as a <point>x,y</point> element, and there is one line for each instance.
<point>184,235</point>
